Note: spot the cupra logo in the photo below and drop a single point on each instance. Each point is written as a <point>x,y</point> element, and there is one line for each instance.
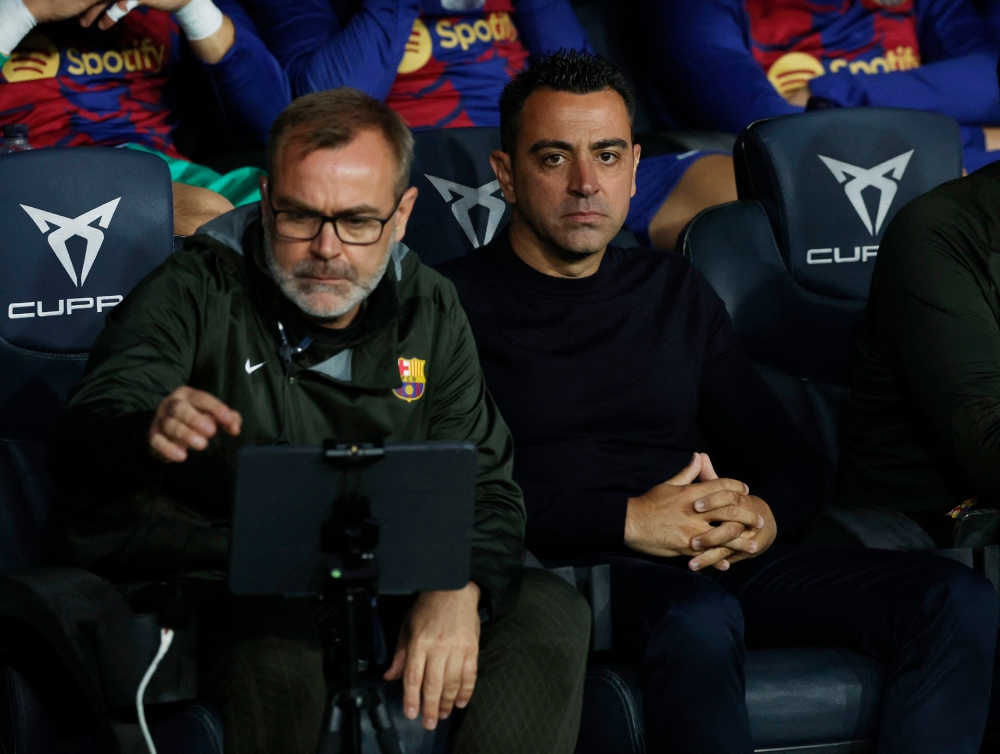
<point>877,177</point>
<point>472,197</point>
<point>67,228</point>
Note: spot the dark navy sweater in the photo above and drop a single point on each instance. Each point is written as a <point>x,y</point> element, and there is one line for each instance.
<point>611,382</point>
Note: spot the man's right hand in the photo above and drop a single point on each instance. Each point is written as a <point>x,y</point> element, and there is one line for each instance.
<point>663,521</point>
<point>59,10</point>
<point>186,420</point>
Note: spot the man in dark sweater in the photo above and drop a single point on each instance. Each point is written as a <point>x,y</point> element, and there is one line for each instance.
<point>613,368</point>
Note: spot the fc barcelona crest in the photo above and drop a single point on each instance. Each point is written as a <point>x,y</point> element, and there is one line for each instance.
<point>411,372</point>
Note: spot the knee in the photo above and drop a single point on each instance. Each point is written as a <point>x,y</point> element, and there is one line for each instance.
<point>194,206</point>
<point>706,620</point>
<point>964,598</point>
<point>554,619</point>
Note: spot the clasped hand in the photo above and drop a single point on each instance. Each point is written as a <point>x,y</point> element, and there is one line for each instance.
<point>715,521</point>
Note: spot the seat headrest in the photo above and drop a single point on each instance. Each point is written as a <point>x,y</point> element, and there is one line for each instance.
<point>830,182</point>
<point>460,206</point>
<point>79,227</point>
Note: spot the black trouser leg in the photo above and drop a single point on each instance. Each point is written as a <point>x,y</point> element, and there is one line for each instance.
<point>933,621</point>
<point>687,634</point>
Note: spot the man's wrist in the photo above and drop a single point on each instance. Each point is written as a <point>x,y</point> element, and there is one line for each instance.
<point>199,19</point>
<point>16,21</point>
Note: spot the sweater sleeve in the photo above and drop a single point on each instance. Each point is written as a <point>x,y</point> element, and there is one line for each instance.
<point>548,25</point>
<point>249,83</point>
<point>934,319</point>
<point>705,60</point>
<point>465,411</point>
<point>318,52</point>
<point>958,76</point>
<point>751,437</point>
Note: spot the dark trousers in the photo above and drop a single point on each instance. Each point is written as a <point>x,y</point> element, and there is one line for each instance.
<point>265,670</point>
<point>933,621</point>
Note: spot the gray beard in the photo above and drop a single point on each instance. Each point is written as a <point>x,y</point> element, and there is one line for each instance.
<point>296,290</point>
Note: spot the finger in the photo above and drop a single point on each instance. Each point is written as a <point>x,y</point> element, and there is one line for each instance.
<point>688,474</point>
<point>694,492</point>
<point>118,11</point>
<point>413,680</point>
<point>200,421</point>
<point>728,506</point>
<point>90,15</point>
<point>433,686</point>
<point>717,536</point>
<point>742,544</point>
<point>470,669</point>
<point>398,663</point>
<point>165,450</point>
<point>229,419</point>
<point>182,434</point>
<point>707,470</point>
<point>452,683</point>
<point>709,558</point>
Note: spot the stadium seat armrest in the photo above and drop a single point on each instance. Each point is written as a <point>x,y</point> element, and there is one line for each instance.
<point>876,528</point>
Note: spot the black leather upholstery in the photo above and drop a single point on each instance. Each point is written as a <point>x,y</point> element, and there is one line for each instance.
<point>80,227</point>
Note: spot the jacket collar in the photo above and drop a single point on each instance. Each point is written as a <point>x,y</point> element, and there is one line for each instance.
<point>370,359</point>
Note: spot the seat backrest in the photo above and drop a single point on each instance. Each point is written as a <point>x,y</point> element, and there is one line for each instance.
<point>79,227</point>
<point>460,206</point>
<point>793,258</point>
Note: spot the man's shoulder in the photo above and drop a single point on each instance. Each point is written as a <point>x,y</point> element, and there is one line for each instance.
<point>417,281</point>
<point>961,215</point>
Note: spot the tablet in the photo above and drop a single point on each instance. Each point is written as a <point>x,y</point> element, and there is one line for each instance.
<point>422,494</point>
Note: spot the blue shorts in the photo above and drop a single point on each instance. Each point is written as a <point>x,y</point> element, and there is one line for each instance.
<point>655,179</point>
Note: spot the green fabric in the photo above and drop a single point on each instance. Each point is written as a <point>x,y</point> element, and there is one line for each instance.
<point>3,59</point>
<point>201,319</point>
<point>268,679</point>
<point>240,186</point>
<point>922,430</point>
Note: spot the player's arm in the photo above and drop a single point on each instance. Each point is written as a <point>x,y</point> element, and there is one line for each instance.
<point>548,25</point>
<point>957,78</point>
<point>318,52</point>
<point>704,54</point>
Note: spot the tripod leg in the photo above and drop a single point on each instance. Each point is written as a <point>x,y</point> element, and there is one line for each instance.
<point>333,736</point>
<point>385,731</point>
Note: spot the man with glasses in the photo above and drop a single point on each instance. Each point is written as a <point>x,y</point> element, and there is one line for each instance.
<point>292,321</point>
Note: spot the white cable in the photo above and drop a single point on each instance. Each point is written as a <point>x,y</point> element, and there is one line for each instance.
<point>199,19</point>
<point>15,23</point>
<point>116,14</point>
<point>166,638</point>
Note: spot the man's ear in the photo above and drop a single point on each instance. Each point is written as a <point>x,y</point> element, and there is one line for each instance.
<point>404,211</point>
<point>636,149</point>
<point>503,168</point>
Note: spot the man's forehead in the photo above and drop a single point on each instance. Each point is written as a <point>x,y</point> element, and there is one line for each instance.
<point>575,118</point>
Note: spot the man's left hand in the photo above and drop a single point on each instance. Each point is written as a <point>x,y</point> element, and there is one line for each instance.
<point>749,544</point>
<point>438,653</point>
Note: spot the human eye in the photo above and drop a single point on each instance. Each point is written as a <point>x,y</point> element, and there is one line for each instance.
<point>608,158</point>
<point>554,159</point>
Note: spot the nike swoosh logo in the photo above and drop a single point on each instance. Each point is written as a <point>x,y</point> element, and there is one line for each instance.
<point>252,369</point>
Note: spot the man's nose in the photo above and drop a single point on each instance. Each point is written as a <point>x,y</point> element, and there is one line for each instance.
<point>583,179</point>
<point>327,245</point>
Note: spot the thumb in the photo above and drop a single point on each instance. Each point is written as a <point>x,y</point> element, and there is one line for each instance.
<point>689,473</point>
<point>398,663</point>
<point>707,470</point>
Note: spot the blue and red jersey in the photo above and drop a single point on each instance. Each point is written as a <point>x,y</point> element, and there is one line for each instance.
<point>722,64</point>
<point>76,86</point>
<point>439,63</point>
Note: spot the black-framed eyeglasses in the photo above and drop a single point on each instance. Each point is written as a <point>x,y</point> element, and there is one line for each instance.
<point>299,225</point>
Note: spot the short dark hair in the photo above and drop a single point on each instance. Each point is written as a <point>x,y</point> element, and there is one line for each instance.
<point>331,119</point>
<point>573,71</point>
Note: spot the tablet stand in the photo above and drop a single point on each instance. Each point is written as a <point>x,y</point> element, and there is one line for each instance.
<point>349,538</point>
